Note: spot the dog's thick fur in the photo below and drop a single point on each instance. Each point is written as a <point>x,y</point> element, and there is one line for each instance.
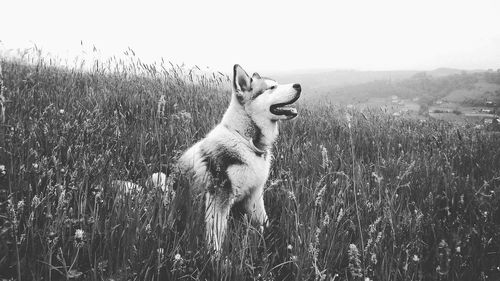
<point>231,164</point>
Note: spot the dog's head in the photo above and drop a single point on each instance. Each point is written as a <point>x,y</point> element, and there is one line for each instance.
<point>263,97</point>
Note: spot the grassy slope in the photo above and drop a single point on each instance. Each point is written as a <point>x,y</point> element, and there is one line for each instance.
<point>465,88</point>
<point>350,194</point>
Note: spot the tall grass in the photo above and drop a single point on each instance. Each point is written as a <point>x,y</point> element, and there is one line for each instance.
<point>352,194</point>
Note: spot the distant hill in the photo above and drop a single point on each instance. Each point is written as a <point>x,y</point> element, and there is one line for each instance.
<point>467,88</point>
<point>320,82</point>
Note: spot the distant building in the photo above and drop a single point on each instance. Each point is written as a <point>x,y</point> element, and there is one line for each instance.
<point>492,123</point>
<point>486,110</point>
<point>487,121</point>
<point>439,102</point>
<point>490,103</point>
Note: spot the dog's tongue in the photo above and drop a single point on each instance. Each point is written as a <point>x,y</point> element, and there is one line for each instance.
<point>287,110</point>
<point>284,110</point>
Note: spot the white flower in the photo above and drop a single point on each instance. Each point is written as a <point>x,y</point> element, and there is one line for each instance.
<point>416,258</point>
<point>340,215</point>
<point>289,247</point>
<point>458,249</point>
<point>20,204</point>
<point>61,111</point>
<point>2,170</point>
<point>160,251</point>
<point>79,234</point>
<point>177,257</point>
<point>35,201</point>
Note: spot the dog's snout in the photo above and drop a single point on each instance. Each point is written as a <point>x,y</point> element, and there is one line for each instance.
<point>297,87</point>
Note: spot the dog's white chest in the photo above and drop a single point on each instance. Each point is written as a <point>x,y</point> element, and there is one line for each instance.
<point>260,169</point>
<point>249,177</point>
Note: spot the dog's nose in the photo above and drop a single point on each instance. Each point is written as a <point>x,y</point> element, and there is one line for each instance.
<point>297,87</point>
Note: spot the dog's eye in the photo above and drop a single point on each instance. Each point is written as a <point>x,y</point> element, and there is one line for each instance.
<point>273,87</point>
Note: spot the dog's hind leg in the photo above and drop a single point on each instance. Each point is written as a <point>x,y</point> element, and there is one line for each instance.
<point>180,209</point>
<point>217,205</point>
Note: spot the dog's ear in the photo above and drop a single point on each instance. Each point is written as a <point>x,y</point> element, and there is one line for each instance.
<point>256,76</point>
<point>241,80</point>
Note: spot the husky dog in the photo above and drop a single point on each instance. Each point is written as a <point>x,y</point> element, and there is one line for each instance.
<point>231,164</point>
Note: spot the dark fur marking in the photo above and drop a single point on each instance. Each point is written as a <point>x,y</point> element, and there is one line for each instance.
<point>258,93</point>
<point>257,136</point>
<point>240,98</point>
<point>217,162</point>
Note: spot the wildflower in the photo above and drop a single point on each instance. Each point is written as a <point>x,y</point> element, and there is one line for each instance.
<point>324,156</point>
<point>340,215</point>
<point>319,196</point>
<point>378,178</point>
<point>326,219</point>
<point>457,249</point>
<point>185,116</point>
<point>161,106</point>
<point>354,261</point>
<point>35,166</point>
<point>289,247</point>
<point>79,234</point>
<point>61,111</point>
<point>20,205</point>
<point>293,258</point>
<point>35,202</point>
<point>416,258</point>
<point>3,171</point>
<point>160,251</point>
<point>52,239</point>
<point>348,117</point>
<point>177,257</point>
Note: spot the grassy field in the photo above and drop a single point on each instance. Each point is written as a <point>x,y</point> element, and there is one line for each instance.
<point>353,194</point>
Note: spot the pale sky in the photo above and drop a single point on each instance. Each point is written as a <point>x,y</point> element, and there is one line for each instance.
<point>266,35</point>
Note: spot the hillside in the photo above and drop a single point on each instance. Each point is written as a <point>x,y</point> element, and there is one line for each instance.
<point>353,193</point>
<point>319,83</point>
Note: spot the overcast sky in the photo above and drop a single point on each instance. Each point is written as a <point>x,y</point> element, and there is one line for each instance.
<point>266,35</point>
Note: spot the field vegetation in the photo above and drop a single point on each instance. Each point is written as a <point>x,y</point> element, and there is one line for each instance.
<point>353,194</point>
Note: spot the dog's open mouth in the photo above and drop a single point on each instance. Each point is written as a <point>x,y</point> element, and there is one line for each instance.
<point>285,108</point>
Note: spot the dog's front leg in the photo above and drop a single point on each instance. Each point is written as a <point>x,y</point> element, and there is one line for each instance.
<point>256,210</point>
<point>217,205</point>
